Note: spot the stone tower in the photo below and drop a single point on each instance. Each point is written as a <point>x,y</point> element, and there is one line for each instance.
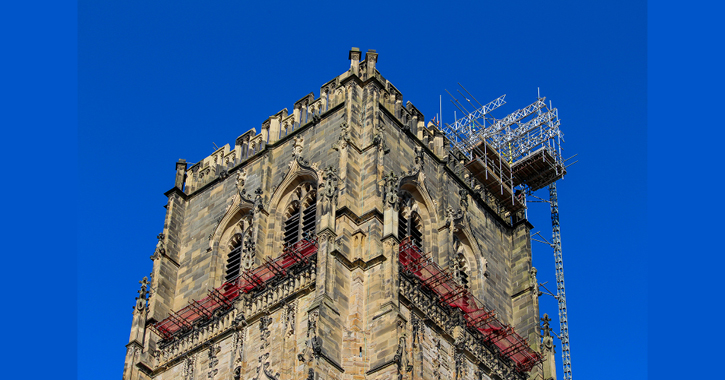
<point>345,240</point>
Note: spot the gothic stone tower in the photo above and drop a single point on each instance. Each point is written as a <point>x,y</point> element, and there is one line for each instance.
<point>280,258</point>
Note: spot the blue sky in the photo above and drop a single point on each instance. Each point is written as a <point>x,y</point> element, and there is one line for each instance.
<point>99,100</point>
<point>159,81</point>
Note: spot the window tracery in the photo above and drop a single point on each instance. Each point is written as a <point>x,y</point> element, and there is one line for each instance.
<point>461,269</point>
<point>300,217</point>
<point>409,220</point>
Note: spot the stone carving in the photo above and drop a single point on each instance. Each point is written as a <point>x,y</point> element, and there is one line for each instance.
<point>390,190</point>
<point>299,142</point>
<point>401,358</point>
<point>459,343</point>
<point>290,317</point>
<point>241,179</point>
<point>533,282</point>
<point>263,367</point>
<point>329,189</point>
<point>437,358</point>
<point>238,347</point>
<point>379,141</point>
<point>463,193</point>
<point>160,247</point>
<point>213,361</point>
<point>258,200</point>
<point>547,340</point>
<point>297,145</point>
<point>248,251</point>
<point>344,138</point>
<point>188,369</point>
<point>313,345</point>
<point>141,299</point>
<point>419,161</point>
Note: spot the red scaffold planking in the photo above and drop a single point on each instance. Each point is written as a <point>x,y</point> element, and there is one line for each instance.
<point>506,340</point>
<point>223,296</point>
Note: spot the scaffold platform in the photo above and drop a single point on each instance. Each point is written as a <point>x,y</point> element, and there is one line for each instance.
<point>221,299</point>
<point>479,319</point>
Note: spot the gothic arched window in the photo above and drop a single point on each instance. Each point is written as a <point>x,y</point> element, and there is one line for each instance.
<point>409,222</point>
<point>301,215</point>
<point>461,269</point>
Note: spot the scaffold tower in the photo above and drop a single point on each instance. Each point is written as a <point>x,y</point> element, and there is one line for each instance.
<point>517,155</point>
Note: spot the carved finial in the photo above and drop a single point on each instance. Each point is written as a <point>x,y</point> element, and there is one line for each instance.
<point>141,299</point>
<point>160,247</point>
<point>547,340</point>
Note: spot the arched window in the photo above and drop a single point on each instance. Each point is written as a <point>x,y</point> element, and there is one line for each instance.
<point>409,221</point>
<point>240,248</point>
<point>301,216</point>
<point>460,265</point>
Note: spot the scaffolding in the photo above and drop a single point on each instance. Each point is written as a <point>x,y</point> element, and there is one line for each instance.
<point>523,149</point>
<point>220,300</point>
<point>480,319</point>
<point>517,155</point>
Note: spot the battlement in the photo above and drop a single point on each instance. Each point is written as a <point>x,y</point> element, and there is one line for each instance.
<point>307,111</point>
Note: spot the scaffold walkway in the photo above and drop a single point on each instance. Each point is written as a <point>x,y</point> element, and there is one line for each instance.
<point>478,318</point>
<point>221,299</point>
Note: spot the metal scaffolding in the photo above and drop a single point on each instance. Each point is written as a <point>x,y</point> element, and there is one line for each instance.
<point>481,320</point>
<point>560,292</point>
<point>517,154</point>
<point>220,300</point>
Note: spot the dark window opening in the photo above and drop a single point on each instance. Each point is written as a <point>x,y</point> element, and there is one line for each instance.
<point>301,223</point>
<point>292,227</point>
<point>410,227</point>
<point>234,263</point>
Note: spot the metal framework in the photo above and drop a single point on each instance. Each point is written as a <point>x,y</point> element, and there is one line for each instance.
<point>507,148</point>
<point>220,300</point>
<point>560,292</point>
<point>521,150</point>
<point>479,319</point>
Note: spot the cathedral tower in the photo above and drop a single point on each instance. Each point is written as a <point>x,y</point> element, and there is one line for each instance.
<point>344,240</point>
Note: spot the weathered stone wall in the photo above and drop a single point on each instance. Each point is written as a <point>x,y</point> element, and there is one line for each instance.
<point>349,316</point>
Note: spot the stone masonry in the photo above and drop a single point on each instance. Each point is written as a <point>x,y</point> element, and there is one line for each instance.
<point>362,157</point>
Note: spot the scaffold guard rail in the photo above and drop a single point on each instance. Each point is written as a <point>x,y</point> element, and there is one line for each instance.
<point>478,318</point>
<point>221,299</point>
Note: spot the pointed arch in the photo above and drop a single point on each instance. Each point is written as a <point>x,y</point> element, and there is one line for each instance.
<point>417,211</point>
<point>465,246</point>
<point>292,207</point>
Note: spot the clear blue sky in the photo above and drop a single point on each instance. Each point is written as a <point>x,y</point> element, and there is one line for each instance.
<point>157,81</point>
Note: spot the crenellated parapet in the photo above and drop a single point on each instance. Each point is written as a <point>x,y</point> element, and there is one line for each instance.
<point>308,111</point>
